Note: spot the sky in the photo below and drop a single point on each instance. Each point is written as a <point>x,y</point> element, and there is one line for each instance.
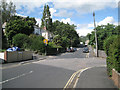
<point>78,12</point>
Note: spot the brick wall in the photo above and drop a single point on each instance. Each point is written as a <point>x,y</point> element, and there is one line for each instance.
<point>116,78</point>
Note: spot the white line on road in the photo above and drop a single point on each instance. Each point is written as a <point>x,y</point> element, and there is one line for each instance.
<point>16,77</point>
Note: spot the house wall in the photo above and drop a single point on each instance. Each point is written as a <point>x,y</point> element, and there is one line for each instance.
<point>37,30</point>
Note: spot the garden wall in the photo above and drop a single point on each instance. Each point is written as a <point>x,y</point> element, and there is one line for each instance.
<point>17,56</point>
<point>116,78</point>
<point>2,56</point>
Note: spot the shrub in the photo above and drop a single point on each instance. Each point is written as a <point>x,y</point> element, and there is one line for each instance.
<point>113,59</point>
<point>21,40</point>
<point>53,45</point>
<point>37,43</point>
<point>114,54</point>
<point>108,42</point>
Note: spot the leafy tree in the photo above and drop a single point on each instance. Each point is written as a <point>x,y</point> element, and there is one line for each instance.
<point>21,40</point>
<point>8,10</point>
<point>4,41</point>
<point>46,19</point>
<point>57,40</point>
<point>67,31</point>
<point>103,32</point>
<point>17,25</point>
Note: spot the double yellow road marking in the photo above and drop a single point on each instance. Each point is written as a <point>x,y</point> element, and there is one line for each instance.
<point>73,77</point>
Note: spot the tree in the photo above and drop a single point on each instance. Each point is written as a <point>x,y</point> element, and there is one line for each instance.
<point>8,10</point>
<point>17,25</point>
<point>46,19</point>
<point>103,32</point>
<point>66,31</point>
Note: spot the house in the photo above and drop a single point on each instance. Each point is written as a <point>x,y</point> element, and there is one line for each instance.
<point>37,30</point>
<point>43,32</point>
<point>46,34</point>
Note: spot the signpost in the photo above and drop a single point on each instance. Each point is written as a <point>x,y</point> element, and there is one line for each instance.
<point>45,42</point>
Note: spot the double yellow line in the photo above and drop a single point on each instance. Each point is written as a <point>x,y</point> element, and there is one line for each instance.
<point>71,79</point>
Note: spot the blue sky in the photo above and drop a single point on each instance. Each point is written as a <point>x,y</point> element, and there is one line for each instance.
<point>76,12</point>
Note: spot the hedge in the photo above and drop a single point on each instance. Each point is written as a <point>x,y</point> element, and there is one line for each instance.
<point>113,58</point>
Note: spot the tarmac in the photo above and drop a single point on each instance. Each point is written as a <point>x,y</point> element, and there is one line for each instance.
<point>95,78</point>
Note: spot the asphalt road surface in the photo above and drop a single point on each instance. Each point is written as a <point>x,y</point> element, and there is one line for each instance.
<point>49,73</point>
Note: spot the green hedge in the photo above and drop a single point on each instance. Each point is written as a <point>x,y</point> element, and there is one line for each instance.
<point>55,51</point>
<point>113,52</point>
<point>52,51</point>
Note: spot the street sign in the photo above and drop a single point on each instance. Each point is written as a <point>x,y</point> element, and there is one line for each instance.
<point>45,41</point>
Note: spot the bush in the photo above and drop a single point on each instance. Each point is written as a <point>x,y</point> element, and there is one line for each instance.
<point>114,54</point>
<point>52,45</point>
<point>108,42</point>
<point>113,59</point>
<point>37,44</point>
<point>21,40</point>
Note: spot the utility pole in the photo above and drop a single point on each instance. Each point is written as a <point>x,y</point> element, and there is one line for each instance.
<point>0,28</point>
<point>95,35</point>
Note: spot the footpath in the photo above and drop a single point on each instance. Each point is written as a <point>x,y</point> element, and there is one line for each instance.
<point>96,78</point>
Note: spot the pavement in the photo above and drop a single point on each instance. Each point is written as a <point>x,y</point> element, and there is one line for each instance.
<point>95,77</point>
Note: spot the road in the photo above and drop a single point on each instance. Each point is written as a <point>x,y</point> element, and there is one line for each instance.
<point>52,72</point>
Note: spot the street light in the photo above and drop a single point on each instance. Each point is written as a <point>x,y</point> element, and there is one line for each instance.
<point>95,35</point>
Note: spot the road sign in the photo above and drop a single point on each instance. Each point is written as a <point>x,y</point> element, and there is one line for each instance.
<point>45,41</point>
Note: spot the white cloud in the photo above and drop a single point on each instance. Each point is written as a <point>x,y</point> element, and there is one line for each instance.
<point>52,10</point>
<point>38,21</point>
<point>20,15</point>
<point>105,21</point>
<point>29,5</point>
<point>80,6</point>
<point>68,20</point>
<point>63,13</point>
<point>84,29</point>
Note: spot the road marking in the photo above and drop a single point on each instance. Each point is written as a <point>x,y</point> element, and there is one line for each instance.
<point>16,77</point>
<point>74,86</point>
<point>71,79</point>
<point>75,73</point>
<point>21,63</point>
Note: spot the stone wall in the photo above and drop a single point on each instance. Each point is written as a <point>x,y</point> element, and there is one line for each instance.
<point>102,54</point>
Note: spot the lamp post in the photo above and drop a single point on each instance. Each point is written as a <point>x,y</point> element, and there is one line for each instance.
<point>95,35</point>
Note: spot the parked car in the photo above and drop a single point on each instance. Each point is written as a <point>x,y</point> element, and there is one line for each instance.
<point>72,50</point>
<point>86,50</point>
<point>75,49</point>
<point>68,49</point>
